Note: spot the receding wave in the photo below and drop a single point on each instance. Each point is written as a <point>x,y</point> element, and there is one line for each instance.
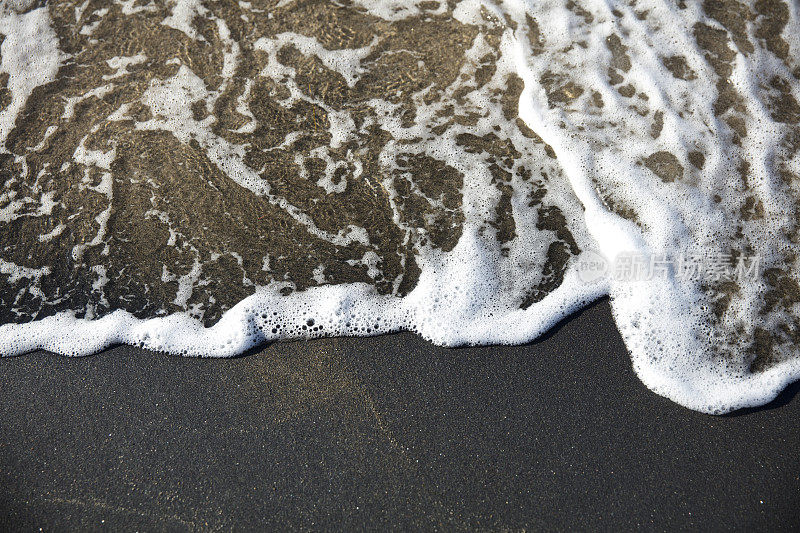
<point>199,177</point>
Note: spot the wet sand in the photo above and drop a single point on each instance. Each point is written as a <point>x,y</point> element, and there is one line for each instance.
<point>385,432</point>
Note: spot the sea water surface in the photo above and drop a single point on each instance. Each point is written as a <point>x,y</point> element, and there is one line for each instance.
<point>201,176</point>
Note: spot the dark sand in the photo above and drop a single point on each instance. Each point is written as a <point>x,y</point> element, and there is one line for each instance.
<point>387,432</point>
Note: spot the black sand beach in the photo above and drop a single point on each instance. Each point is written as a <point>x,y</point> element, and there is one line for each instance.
<point>182,157</point>
<point>384,433</point>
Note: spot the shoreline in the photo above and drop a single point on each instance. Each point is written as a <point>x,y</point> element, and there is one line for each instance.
<point>379,432</point>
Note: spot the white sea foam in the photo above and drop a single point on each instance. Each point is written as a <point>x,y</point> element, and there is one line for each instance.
<point>30,57</point>
<point>470,295</point>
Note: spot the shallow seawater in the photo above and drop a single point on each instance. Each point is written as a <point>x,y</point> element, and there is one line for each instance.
<point>199,177</point>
